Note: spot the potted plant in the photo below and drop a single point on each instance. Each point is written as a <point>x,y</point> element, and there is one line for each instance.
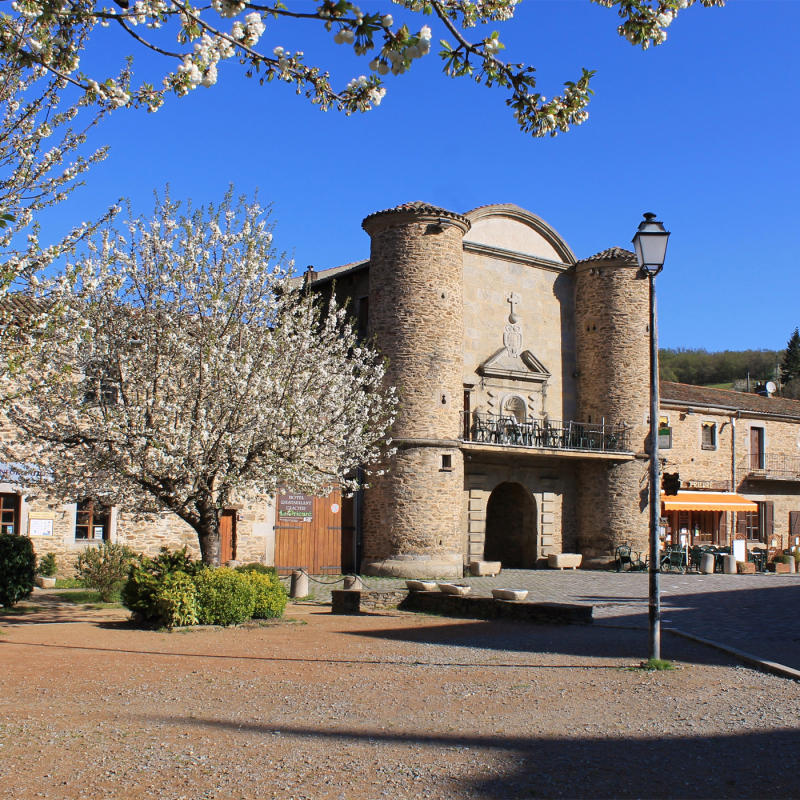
<point>46,569</point>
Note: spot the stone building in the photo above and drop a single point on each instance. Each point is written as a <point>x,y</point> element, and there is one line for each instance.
<point>524,382</point>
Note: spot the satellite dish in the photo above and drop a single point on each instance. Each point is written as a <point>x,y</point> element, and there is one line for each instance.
<point>770,387</point>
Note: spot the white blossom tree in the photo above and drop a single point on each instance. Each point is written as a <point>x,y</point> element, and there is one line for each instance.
<point>50,33</point>
<point>187,368</point>
<point>41,163</point>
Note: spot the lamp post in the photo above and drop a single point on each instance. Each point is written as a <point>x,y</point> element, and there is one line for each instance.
<point>650,244</point>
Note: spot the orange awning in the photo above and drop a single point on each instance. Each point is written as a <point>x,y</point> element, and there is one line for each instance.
<point>707,501</point>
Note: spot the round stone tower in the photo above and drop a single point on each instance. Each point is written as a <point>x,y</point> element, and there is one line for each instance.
<point>613,386</point>
<point>412,514</point>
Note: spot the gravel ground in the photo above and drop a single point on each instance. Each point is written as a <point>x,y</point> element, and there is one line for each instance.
<point>381,706</point>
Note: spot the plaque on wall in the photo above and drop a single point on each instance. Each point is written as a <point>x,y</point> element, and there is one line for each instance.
<point>296,506</point>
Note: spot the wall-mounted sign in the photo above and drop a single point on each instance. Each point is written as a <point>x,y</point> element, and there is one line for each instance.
<point>334,508</point>
<point>40,527</point>
<point>296,506</point>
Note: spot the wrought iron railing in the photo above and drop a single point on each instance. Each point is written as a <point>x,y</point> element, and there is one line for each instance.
<point>772,465</point>
<point>549,434</point>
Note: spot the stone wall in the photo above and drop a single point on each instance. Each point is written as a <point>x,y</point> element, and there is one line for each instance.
<point>552,488</point>
<point>611,317</point>
<point>412,514</point>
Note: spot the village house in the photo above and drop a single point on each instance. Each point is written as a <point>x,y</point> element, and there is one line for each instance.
<point>523,374</point>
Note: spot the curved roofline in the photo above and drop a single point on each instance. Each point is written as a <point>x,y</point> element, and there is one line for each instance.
<point>511,211</point>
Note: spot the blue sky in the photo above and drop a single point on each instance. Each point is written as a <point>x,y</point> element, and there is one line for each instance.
<point>702,130</point>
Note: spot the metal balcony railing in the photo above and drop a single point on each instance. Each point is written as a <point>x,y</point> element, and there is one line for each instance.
<point>549,434</point>
<point>776,466</point>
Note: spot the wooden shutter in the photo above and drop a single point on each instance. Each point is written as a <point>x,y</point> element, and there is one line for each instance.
<point>723,528</point>
<point>769,521</point>
<point>741,524</point>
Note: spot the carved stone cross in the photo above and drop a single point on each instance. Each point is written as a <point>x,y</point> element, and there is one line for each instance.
<point>514,299</point>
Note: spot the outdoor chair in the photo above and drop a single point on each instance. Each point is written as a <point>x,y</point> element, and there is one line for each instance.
<point>622,557</point>
<point>695,554</point>
<point>675,560</point>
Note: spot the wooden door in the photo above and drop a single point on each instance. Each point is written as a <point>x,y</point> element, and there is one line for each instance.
<point>321,543</point>
<point>756,448</point>
<point>227,535</point>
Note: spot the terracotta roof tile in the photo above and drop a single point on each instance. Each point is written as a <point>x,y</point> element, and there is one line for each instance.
<point>725,398</point>
<point>417,207</point>
<point>612,254</point>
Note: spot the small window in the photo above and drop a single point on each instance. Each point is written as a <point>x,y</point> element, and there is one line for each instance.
<point>447,462</point>
<point>91,521</point>
<point>363,315</point>
<point>100,386</point>
<point>9,513</point>
<point>708,432</point>
<point>664,434</point>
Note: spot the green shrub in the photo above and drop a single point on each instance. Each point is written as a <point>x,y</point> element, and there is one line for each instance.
<point>270,595</point>
<point>146,576</point>
<point>177,600</point>
<point>104,568</point>
<point>47,566</point>
<point>224,596</point>
<point>254,566</point>
<point>69,583</point>
<point>17,568</point>
<point>797,556</point>
<point>783,558</point>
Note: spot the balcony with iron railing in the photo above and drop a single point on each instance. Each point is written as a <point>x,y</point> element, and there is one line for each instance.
<point>546,435</point>
<point>770,467</point>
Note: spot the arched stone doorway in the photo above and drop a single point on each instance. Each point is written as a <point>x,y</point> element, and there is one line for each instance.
<point>511,527</point>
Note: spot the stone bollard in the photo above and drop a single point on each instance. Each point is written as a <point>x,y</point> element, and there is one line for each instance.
<point>353,583</point>
<point>729,565</point>
<point>299,586</point>
<point>792,566</point>
<point>707,564</point>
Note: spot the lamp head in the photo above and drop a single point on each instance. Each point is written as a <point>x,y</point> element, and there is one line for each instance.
<point>650,244</point>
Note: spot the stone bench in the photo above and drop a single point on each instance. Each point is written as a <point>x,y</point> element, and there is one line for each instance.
<point>564,560</point>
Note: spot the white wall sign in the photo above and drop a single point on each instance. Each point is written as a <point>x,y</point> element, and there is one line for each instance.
<point>40,527</point>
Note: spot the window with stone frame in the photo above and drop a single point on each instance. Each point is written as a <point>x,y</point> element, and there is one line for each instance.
<point>100,385</point>
<point>92,520</point>
<point>9,513</point>
<point>708,435</point>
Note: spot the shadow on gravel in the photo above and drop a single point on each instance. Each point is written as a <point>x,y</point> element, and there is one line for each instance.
<point>593,642</point>
<point>722,766</point>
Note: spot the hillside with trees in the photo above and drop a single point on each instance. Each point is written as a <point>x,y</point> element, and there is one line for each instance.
<point>700,367</point>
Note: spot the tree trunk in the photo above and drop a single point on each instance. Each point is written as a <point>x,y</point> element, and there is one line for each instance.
<point>208,536</point>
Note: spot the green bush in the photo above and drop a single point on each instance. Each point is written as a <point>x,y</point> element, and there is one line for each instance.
<point>783,558</point>
<point>104,567</point>
<point>261,569</point>
<point>47,566</point>
<point>270,595</point>
<point>177,600</point>
<point>147,575</point>
<point>224,596</point>
<point>17,568</point>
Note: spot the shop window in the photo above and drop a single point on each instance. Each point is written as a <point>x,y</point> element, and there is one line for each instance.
<point>9,513</point>
<point>92,521</point>
<point>708,432</point>
<point>664,434</point>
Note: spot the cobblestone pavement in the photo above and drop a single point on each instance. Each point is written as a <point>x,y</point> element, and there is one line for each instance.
<point>759,614</point>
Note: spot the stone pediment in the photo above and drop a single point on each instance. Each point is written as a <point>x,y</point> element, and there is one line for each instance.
<point>520,367</point>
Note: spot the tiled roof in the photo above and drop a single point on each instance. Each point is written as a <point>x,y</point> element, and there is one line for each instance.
<point>19,306</point>
<point>337,272</point>
<point>417,207</point>
<point>612,254</point>
<point>724,398</point>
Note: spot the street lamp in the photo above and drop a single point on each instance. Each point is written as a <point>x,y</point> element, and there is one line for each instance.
<point>650,244</point>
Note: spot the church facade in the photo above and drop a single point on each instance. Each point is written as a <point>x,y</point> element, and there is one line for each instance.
<point>524,382</point>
